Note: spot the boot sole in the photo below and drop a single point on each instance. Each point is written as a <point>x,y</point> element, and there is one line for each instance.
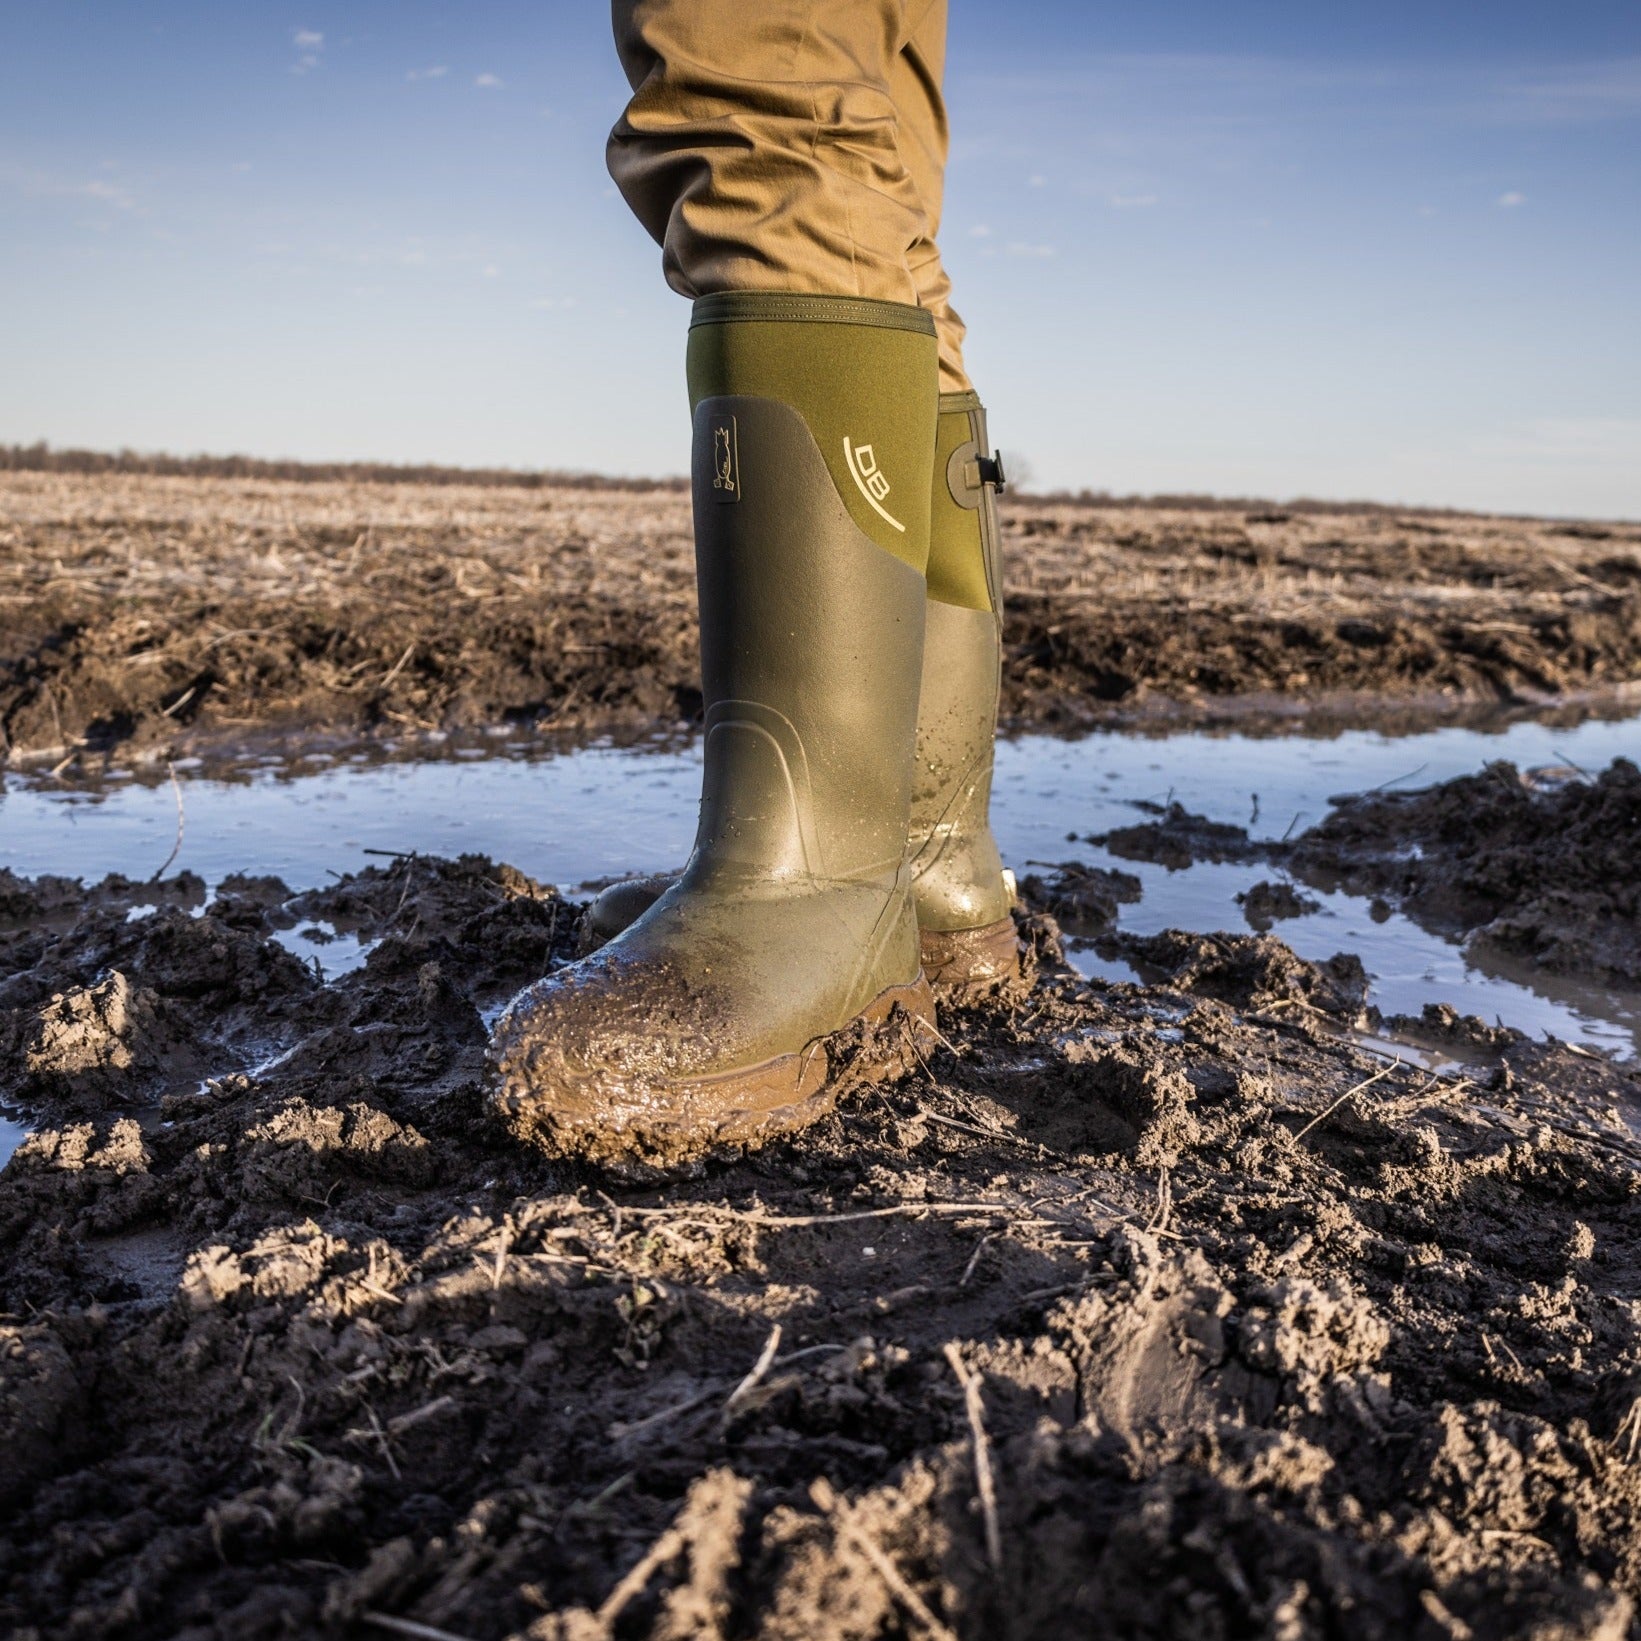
<point>971,960</point>
<point>695,1117</point>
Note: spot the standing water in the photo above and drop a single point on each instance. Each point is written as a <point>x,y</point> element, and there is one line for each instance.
<point>581,817</point>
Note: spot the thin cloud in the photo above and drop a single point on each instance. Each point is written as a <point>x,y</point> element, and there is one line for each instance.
<point>488,82</point>
<point>1020,247</point>
<point>110,193</point>
<point>42,185</point>
<point>1131,202</point>
<point>1572,94</point>
<point>1209,89</point>
<point>437,73</point>
<point>980,231</point>
<point>309,44</point>
<point>1511,200</point>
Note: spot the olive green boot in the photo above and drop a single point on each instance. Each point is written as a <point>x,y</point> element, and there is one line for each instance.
<point>962,892</point>
<point>705,1021</point>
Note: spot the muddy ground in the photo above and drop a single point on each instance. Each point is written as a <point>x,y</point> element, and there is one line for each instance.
<point>1159,1310</point>
<point>140,613</point>
<point>1152,1312</point>
<point>1542,866</point>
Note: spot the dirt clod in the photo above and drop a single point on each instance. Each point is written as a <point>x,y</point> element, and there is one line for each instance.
<point>1546,870</point>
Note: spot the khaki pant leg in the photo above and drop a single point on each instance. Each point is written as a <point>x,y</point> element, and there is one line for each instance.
<point>762,149</point>
<point>915,81</point>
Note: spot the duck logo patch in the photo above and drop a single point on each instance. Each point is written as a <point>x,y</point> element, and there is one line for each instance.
<point>726,461</point>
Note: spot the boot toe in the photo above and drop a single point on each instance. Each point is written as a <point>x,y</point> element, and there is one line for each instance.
<point>593,1046</point>
<point>625,1055</point>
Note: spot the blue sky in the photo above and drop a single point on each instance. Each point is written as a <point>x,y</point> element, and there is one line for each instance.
<point>1387,251</point>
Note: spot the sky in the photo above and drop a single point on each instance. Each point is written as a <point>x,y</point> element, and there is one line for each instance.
<point>1250,247</point>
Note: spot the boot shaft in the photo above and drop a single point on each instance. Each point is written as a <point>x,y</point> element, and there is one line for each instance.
<point>957,870</point>
<point>814,424</point>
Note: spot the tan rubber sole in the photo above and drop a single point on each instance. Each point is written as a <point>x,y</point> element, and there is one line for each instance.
<point>690,1118</point>
<point>960,960</point>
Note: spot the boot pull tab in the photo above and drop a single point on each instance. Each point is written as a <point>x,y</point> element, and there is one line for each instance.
<point>968,472</point>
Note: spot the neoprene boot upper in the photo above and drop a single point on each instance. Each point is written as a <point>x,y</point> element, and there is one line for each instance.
<point>961,890</point>
<point>814,426</point>
<point>962,893</point>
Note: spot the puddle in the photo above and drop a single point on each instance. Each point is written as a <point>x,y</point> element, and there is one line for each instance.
<point>332,952</point>
<point>13,1131</point>
<point>601,812</point>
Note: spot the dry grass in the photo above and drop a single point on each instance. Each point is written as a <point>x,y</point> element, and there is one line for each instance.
<point>347,604</point>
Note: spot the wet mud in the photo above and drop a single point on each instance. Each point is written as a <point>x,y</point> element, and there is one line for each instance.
<point>1542,867</point>
<point>146,613</point>
<point>1160,1310</point>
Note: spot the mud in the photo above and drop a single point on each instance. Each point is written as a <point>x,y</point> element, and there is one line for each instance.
<point>1152,1310</point>
<point>1542,867</point>
<point>145,614</point>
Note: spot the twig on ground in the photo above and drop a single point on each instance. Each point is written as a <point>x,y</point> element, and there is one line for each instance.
<point>974,1403</point>
<point>1396,780</point>
<point>581,1507</point>
<point>808,1350</point>
<point>409,1626</point>
<point>940,1037</point>
<point>410,650</point>
<point>1157,1225</point>
<point>1349,1093</point>
<point>975,1128</point>
<point>382,1441</point>
<point>750,1383</point>
<point>181,701</point>
<point>408,1421</point>
<point>824,1495</point>
<point>974,1258</point>
<point>1629,1431</point>
<point>176,848</point>
<point>621,1432</point>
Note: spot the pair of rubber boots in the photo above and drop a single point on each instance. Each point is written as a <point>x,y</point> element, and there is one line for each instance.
<point>850,651</point>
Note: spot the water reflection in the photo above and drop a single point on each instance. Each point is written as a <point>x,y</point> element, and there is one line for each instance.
<point>571,818</point>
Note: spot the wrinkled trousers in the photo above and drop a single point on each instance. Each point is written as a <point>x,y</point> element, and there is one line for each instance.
<point>790,145</point>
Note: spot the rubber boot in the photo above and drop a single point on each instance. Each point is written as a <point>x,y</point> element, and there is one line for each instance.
<point>961,889</point>
<point>963,894</point>
<point>705,1022</point>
